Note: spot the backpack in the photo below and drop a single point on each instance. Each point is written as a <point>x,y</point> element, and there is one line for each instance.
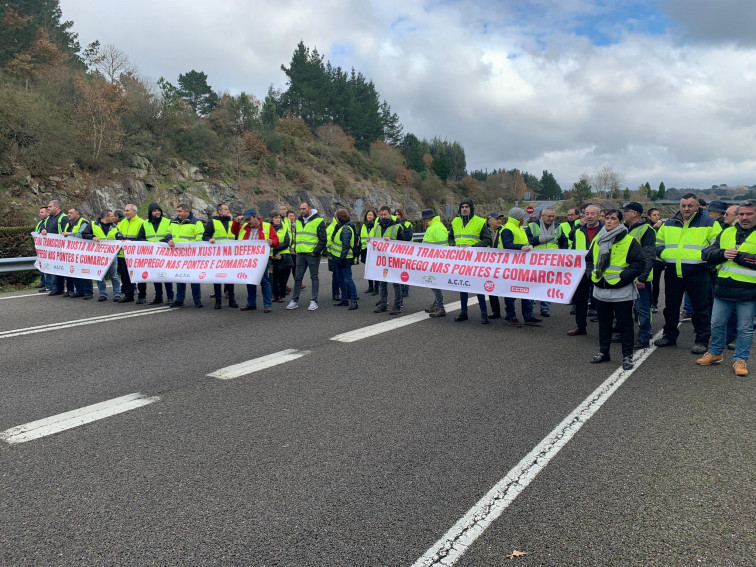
<point>357,247</point>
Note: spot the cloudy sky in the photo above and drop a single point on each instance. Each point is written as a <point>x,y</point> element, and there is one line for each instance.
<point>658,90</point>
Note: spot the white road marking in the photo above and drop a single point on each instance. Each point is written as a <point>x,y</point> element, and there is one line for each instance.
<point>254,365</point>
<point>25,295</point>
<point>74,418</point>
<point>80,322</point>
<point>392,324</point>
<point>454,543</point>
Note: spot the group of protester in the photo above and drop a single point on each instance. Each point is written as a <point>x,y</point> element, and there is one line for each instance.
<point>707,255</point>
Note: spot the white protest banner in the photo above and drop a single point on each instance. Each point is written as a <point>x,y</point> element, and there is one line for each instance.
<point>236,261</point>
<point>74,257</point>
<point>544,274</point>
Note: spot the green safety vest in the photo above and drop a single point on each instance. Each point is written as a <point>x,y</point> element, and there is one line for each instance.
<point>329,232</point>
<point>99,233</point>
<point>364,235</point>
<point>683,245</point>
<point>581,241</point>
<point>436,232</point>
<point>535,230</point>
<point>392,231</point>
<point>266,226</point>
<point>468,234</point>
<point>281,237</point>
<point>75,227</point>
<point>730,269</point>
<point>162,230</point>
<point>617,260</point>
<point>513,225</point>
<point>566,228</point>
<point>307,235</point>
<point>220,232</point>
<point>129,230</point>
<point>336,246</point>
<point>638,233</point>
<point>185,231</point>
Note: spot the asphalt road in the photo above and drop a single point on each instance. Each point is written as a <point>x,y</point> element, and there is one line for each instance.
<point>360,453</point>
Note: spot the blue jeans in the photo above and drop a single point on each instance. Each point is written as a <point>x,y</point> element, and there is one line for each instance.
<point>346,283</point>
<point>267,292</point>
<point>82,286</point>
<point>463,296</point>
<point>113,273</point>
<point>305,262</point>
<point>545,306</point>
<point>181,293</point>
<point>158,290</point>
<point>643,309</point>
<point>720,314</point>
<point>509,308</point>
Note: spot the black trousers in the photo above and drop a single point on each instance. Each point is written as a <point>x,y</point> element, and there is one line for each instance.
<point>495,304</point>
<point>698,286</point>
<point>127,288</point>
<point>658,274</point>
<point>623,311</point>
<point>580,301</point>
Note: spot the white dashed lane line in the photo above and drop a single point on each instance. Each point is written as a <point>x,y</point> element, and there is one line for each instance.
<point>257,364</point>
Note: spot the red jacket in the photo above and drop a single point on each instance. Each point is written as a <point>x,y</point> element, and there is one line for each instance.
<point>236,227</point>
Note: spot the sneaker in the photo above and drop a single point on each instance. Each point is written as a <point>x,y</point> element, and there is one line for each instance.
<point>601,357</point>
<point>313,306</point>
<point>117,299</point>
<point>292,305</point>
<point>495,316</point>
<point>461,317</point>
<point>654,308</point>
<point>698,349</point>
<point>708,359</point>
<point>380,309</point>
<point>592,313</point>
<point>665,341</point>
<point>431,308</point>
<point>141,301</point>
<point>102,298</point>
<point>731,346</point>
<point>545,314</point>
<point>641,344</point>
<point>627,363</point>
<point>156,301</point>
<point>395,311</point>
<point>513,322</point>
<point>439,312</point>
<point>740,368</point>
<point>684,316</point>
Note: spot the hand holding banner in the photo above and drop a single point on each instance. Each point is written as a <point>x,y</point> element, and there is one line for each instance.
<point>74,257</point>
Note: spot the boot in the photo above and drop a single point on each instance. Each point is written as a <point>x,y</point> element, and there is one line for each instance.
<point>217,303</point>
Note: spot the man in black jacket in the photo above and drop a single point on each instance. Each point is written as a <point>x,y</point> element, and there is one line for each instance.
<point>639,228</point>
<point>734,254</point>
<point>55,223</point>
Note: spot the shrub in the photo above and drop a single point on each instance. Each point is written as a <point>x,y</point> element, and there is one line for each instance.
<point>403,176</point>
<point>332,135</point>
<point>294,126</point>
<point>16,242</point>
<point>387,159</point>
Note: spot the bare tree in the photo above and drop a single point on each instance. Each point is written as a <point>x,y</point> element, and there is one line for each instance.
<point>606,181</point>
<point>111,62</point>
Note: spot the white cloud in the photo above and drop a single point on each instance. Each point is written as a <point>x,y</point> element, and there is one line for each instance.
<point>514,85</point>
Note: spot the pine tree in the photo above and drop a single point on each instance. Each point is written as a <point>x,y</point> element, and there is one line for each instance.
<point>194,89</point>
<point>662,191</point>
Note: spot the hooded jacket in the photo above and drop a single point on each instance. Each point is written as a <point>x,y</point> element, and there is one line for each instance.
<point>466,229</point>
<point>648,243</point>
<point>731,289</point>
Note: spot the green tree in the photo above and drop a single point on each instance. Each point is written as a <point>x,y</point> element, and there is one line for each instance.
<point>309,88</point>
<point>550,189</point>
<point>392,129</point>
<point>193,88</point>
<point>413,151</point>
<point>581,191</point>
<point>626,194</point>
<point>662,190</point>
<point>441,164</point>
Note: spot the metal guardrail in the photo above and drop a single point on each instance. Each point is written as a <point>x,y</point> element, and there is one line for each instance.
<point>8,265</point>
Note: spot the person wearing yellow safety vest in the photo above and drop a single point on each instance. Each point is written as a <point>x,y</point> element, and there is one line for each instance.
<point>514,237</point>
<point>131,228</point>
<point>156,229</point>
<point>614,261</point>
<point>569,225</point>
<point>466,229</point>
<point>734,255</point>
<point>435,233</point>
<point>545,233</point>
<point>76,225</point>
<point>335,290</point>
<point>342,255</point>
<point>45,285</point>
<point>491,238</point>
<point>401,218</point>
<point>679,242</point>
<point>368,222</point>
<point>639,228</point>
<point>105,229</point>
<point>185,228</point>
<point>280,258</point>
<point>218,231</point>
<point>55,223</point>
<point>250,226</point>
<point>387,228</point>
<point>580,239</point>
<point>311,241</point>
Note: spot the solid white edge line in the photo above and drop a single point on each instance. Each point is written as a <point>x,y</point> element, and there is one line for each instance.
<point>81,322</point>
<point>378,328</point>
<point>455,542</point>
<point>254,365</point>
<point>74,418</point>
<point>25,295</point>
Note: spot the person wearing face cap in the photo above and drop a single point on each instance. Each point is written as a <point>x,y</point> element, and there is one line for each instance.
<point>717,210</point>
<point>435,233</point>
<point>250,226</point>
<point>639,228</point>
<point>514,237</point>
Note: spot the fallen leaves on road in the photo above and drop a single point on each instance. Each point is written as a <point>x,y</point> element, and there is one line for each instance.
<point>516,553</point>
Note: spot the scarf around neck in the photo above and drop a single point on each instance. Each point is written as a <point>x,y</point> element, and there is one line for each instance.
<point>604,240</point>
<point>547,233</point>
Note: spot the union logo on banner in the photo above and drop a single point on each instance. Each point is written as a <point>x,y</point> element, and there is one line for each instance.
<point>489,286</point>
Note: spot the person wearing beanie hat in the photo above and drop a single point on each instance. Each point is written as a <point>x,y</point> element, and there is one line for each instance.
<point>435,233</point>
<point>467,229</point>
<point>156,230</point>
<point>514,237</point>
